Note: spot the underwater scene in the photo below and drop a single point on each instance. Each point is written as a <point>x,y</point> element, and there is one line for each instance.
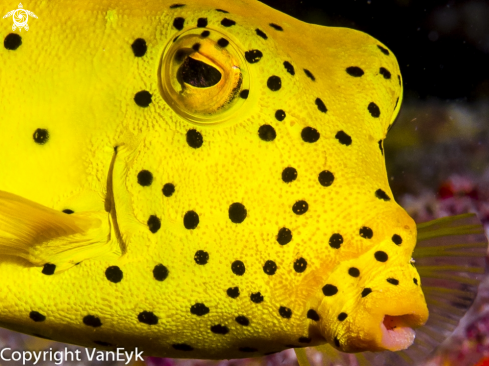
<point>243,182</point>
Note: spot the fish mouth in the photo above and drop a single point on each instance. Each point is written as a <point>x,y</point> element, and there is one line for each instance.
<point>397,333</point>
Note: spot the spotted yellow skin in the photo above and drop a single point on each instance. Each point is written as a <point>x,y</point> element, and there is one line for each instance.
<point>76,75</point>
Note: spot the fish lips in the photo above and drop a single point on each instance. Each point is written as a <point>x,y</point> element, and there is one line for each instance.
<point>381,324</point>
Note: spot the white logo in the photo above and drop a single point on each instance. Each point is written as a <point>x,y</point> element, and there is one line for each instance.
<point>20,17</point>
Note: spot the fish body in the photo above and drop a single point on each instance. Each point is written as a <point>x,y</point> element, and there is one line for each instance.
<point>201,182</point>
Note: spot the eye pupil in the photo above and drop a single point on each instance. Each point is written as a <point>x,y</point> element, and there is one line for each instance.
<point>199,74</point>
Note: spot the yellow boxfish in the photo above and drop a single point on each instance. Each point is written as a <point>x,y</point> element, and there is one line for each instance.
<point>206,179</point>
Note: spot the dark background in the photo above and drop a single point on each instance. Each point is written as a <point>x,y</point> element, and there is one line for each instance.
<point>442,46</point>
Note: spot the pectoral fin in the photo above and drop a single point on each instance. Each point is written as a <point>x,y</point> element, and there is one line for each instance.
<point>42,235</point>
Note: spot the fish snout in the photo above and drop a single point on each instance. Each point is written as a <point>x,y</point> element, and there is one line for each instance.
<point>376,306</point>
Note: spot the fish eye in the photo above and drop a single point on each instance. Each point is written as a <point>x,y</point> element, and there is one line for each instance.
<point>201,75</point>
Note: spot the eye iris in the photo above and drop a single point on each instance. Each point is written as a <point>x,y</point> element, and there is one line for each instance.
<point>199,74</point>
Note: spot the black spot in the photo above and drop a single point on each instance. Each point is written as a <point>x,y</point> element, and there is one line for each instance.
<point>300,207</point>
<point>41,136</point>
<point>374,110</point>
<point>276,27</point>
<point>222,11</point>
<point>381,256</point>
<point>342,316</point>
<point>383,71</point>
<point>309,75</point>
<point>354,71</point>
<point>280,115</point>
<point>219,329</point>
<point>37,317</point>
<point>244,93</point>
<point>48,269</point>
<point>201,257</point>
<point>415,281</point>
<point>253,56</point>
<point>310,134</point>
<point>267,133</point>
<point>238,268</point>
<point>178,23</point>
<point>320,105</point>
<point>385,51</point>
<point>326,178</point>
<point>222,42</point>
<point>313,315</point>
<point>196,48</point>
<point>103,344</point>
<point>243,320</point>
<point>194,138</point>
<point>12,41</point>
<point>205,34</point>
<point>284,236</point>
<point>139,47</point>
<point>300,265</point>
<point>285,312</point>
<point>354,272</point>
<point>399,78</point>
<point>256,297</point>
<point>147,317</point>
<point>237,213</point>
<point>366,291</point>
<point>343,138</point>
<point>168,189</point>
<point>393,281</point>
<point>248,349</point>
<point>270,267</point>
<point>289,174</point>
<point>380,147</point>
<point>154,224</point>
<point>202,22</point>
<point>114,274</point>
<point>145,178</point>
<point>304,340</point>
<point>68,211</point>
<point>330,290</point>
<point>227,22</point>
<point>174,6</point>
<point>337,342</point>
<point>199,309</point>
<point>288,66</point>
<point>233,292</point>
<point>397,239</point>
<point>366,232</point>
<point>397,101</point>
<point>182,347</point>
<point>335,241</point>
<point>160,272</point>
<point>380,194</point>
<point>143,98</point>
<point>191,220</point>
<point>261,34</point>
<point>92,321</point>
<point>274,83</point>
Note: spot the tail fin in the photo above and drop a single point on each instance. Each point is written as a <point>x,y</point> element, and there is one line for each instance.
<point>451,260</point>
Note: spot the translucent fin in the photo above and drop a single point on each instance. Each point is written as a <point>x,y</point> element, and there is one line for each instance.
<point>301,357</point>
<point>450,258</point>
<point>42,235</point>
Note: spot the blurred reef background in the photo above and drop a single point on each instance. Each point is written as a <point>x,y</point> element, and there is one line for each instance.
<point>437,154</point>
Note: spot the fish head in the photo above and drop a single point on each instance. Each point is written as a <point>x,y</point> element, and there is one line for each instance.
<point>381,301</point>
<point>288,119</point>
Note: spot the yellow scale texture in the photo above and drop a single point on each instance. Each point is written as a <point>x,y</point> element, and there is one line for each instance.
<point>76,75</point>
